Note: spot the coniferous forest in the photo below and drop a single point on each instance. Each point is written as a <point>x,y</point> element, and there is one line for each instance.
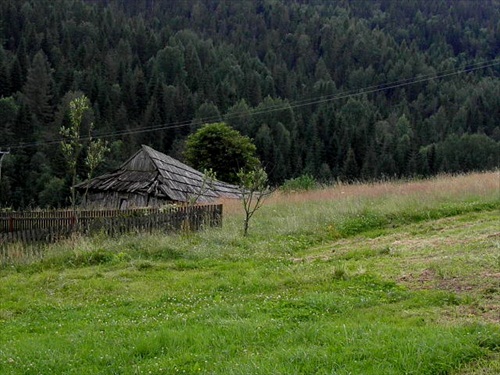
<point>335,89</point>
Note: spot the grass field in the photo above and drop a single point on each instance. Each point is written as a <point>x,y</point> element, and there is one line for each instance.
<point>388,278</point>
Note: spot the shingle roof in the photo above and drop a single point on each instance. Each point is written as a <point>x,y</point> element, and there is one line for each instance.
<point>151,172</point>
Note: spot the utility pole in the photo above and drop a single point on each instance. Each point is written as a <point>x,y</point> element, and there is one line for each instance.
<point>2,155</point>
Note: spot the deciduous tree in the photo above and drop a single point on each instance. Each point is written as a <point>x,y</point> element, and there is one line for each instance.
<point>254,189</point>
<point>73,144</point>
<point>218,147</point>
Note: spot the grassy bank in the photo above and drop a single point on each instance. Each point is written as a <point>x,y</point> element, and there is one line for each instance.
<point>386,278</point>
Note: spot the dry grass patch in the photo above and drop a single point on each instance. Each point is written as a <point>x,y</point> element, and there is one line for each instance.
<point>444,186</point>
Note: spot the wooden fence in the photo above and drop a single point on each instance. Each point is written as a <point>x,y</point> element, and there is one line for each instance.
<point>50,226</point>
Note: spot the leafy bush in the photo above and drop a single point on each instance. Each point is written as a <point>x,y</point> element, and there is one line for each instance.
<point>301,183</point>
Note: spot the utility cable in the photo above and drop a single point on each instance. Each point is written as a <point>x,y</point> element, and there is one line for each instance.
<point>279,107</point>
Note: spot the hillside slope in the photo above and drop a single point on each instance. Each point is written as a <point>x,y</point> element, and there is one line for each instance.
<point>344,89</point>
<point>367,279</point>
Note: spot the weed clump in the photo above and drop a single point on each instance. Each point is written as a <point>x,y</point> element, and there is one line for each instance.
<point>91,258</point>
<point>339,273</point>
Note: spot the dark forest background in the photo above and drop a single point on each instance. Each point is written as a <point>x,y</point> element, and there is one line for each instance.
<point>351,90</point>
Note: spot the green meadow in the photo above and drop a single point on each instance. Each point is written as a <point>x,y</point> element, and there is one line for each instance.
<point>383,278</point>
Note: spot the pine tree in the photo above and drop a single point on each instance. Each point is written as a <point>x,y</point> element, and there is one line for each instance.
<point>38,89</point>
<point>8,115</point>
<point>16,76</point>
<point>5,89</point>
<point>350,168</point>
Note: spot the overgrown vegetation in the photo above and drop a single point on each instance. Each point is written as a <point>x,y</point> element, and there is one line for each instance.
<point>386,278</point>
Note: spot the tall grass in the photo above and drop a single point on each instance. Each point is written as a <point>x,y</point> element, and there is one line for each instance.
<point>295,220</point>
<point>316,288</point>
<point>349,209</point>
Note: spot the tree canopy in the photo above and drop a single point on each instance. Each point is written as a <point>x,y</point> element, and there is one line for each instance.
<point>348,89</point>
<point>222,149</point>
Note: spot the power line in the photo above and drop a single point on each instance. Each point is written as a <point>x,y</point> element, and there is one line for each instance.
<point>278,107</point>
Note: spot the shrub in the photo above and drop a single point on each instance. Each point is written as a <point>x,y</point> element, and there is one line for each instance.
<point>301,183</point>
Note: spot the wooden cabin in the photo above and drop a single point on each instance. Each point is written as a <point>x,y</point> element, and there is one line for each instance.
<point>152,179</point>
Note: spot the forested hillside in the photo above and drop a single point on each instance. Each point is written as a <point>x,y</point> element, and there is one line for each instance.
<point>334,89</point>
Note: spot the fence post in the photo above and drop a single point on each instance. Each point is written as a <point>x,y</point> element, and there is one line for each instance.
<point>11,224</point>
